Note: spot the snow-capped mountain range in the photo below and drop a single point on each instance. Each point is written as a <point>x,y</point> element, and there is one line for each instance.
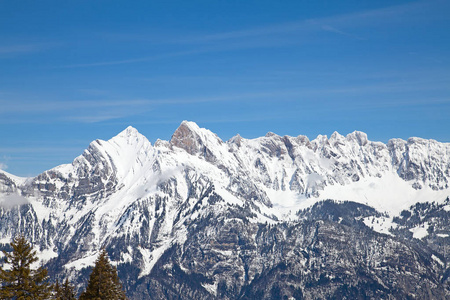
<point>141,200</point>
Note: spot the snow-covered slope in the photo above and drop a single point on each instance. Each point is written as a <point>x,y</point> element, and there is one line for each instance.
<point>280,175</point>
<point>142,198</point>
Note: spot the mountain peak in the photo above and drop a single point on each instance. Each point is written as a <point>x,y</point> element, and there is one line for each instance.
<point>237,139</point>
<point>146,205</point>
<point>271,134</point>
<point>127,139</point>
<point>190,137</point>
<point>126,151</point>
<point>190,124</point>
<point>130,134</point>
<point>336,136</point>
<point>358,136</point>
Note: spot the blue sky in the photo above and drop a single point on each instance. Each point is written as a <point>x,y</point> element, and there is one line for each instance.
<point>75,71</point>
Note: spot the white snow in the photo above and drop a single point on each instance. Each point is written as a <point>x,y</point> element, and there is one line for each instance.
<point>151,257</point>
<point>41,210</point>
<point>285,203</point>
<point>323,166</point>
<point>16,179</point>
<point>420,231</point>
<point>212,288</point>
<point>389,193</point>
<point>81,263</point>
<point>437,259</point>
<point>380,224</point>
<point>46,255</point>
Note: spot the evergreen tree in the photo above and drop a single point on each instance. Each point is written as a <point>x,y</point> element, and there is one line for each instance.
<point>64,292</point>
<point>20,281</point>
<point>104,282</point>
<point>56,290</point>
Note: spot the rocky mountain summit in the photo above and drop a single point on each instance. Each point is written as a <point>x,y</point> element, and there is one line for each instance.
<point>267,218</point>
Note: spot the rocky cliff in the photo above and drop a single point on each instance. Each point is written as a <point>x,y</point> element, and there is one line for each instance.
<point>199,218</point>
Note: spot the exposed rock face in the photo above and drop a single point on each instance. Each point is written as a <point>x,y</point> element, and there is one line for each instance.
<point>186,138</point>
<point>232,258</point>
<point>197,218</point>
<point>195,140</point>
<point>423,162</point>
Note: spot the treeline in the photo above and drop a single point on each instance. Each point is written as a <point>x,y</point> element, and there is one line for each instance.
<point>18,280</point>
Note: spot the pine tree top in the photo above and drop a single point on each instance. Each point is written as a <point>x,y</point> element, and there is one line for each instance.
<point>103,282</point>
<point>65,291</point>
<point>20,281</point>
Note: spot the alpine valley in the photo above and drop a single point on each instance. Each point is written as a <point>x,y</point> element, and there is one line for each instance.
<point>267,218</point>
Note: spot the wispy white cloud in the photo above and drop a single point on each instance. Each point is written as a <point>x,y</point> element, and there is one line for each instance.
<point>110,63</point>
<point>105,111</point>
<point>274,35</point>
<point>3,166</point>
<point>95,92</point>
<point>17,49</point>
<point>383,86</point>
<point>82,111</point>
<point>244,119</point>
<point>132,60</point>
<point>198,49</point>
<point>9,106</point>
<point>340,32</point>
<point>96,111</point>
<point>386,15</point>
<point>33,149</point>
<point>98,117</point>
<point>11,201</point>
<point>24,48</point>
<point>115,105</point>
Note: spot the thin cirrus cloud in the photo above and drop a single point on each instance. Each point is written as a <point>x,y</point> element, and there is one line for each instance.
<point>275,35</point>
<point>131,60</point>
<point>110,113</point>
<point>18,49</point>
<point>99,111</point>
<point>70,111</point>
<point>229,46</point>
<point>23,150</point>
<point>410,12</point>
<point>335,30</point>
<point>9,107</point>
<point>24,49</point>
<point>342,24</point>
<point>58,106</point>
<point>334,23</point>
<point>95,118</point>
